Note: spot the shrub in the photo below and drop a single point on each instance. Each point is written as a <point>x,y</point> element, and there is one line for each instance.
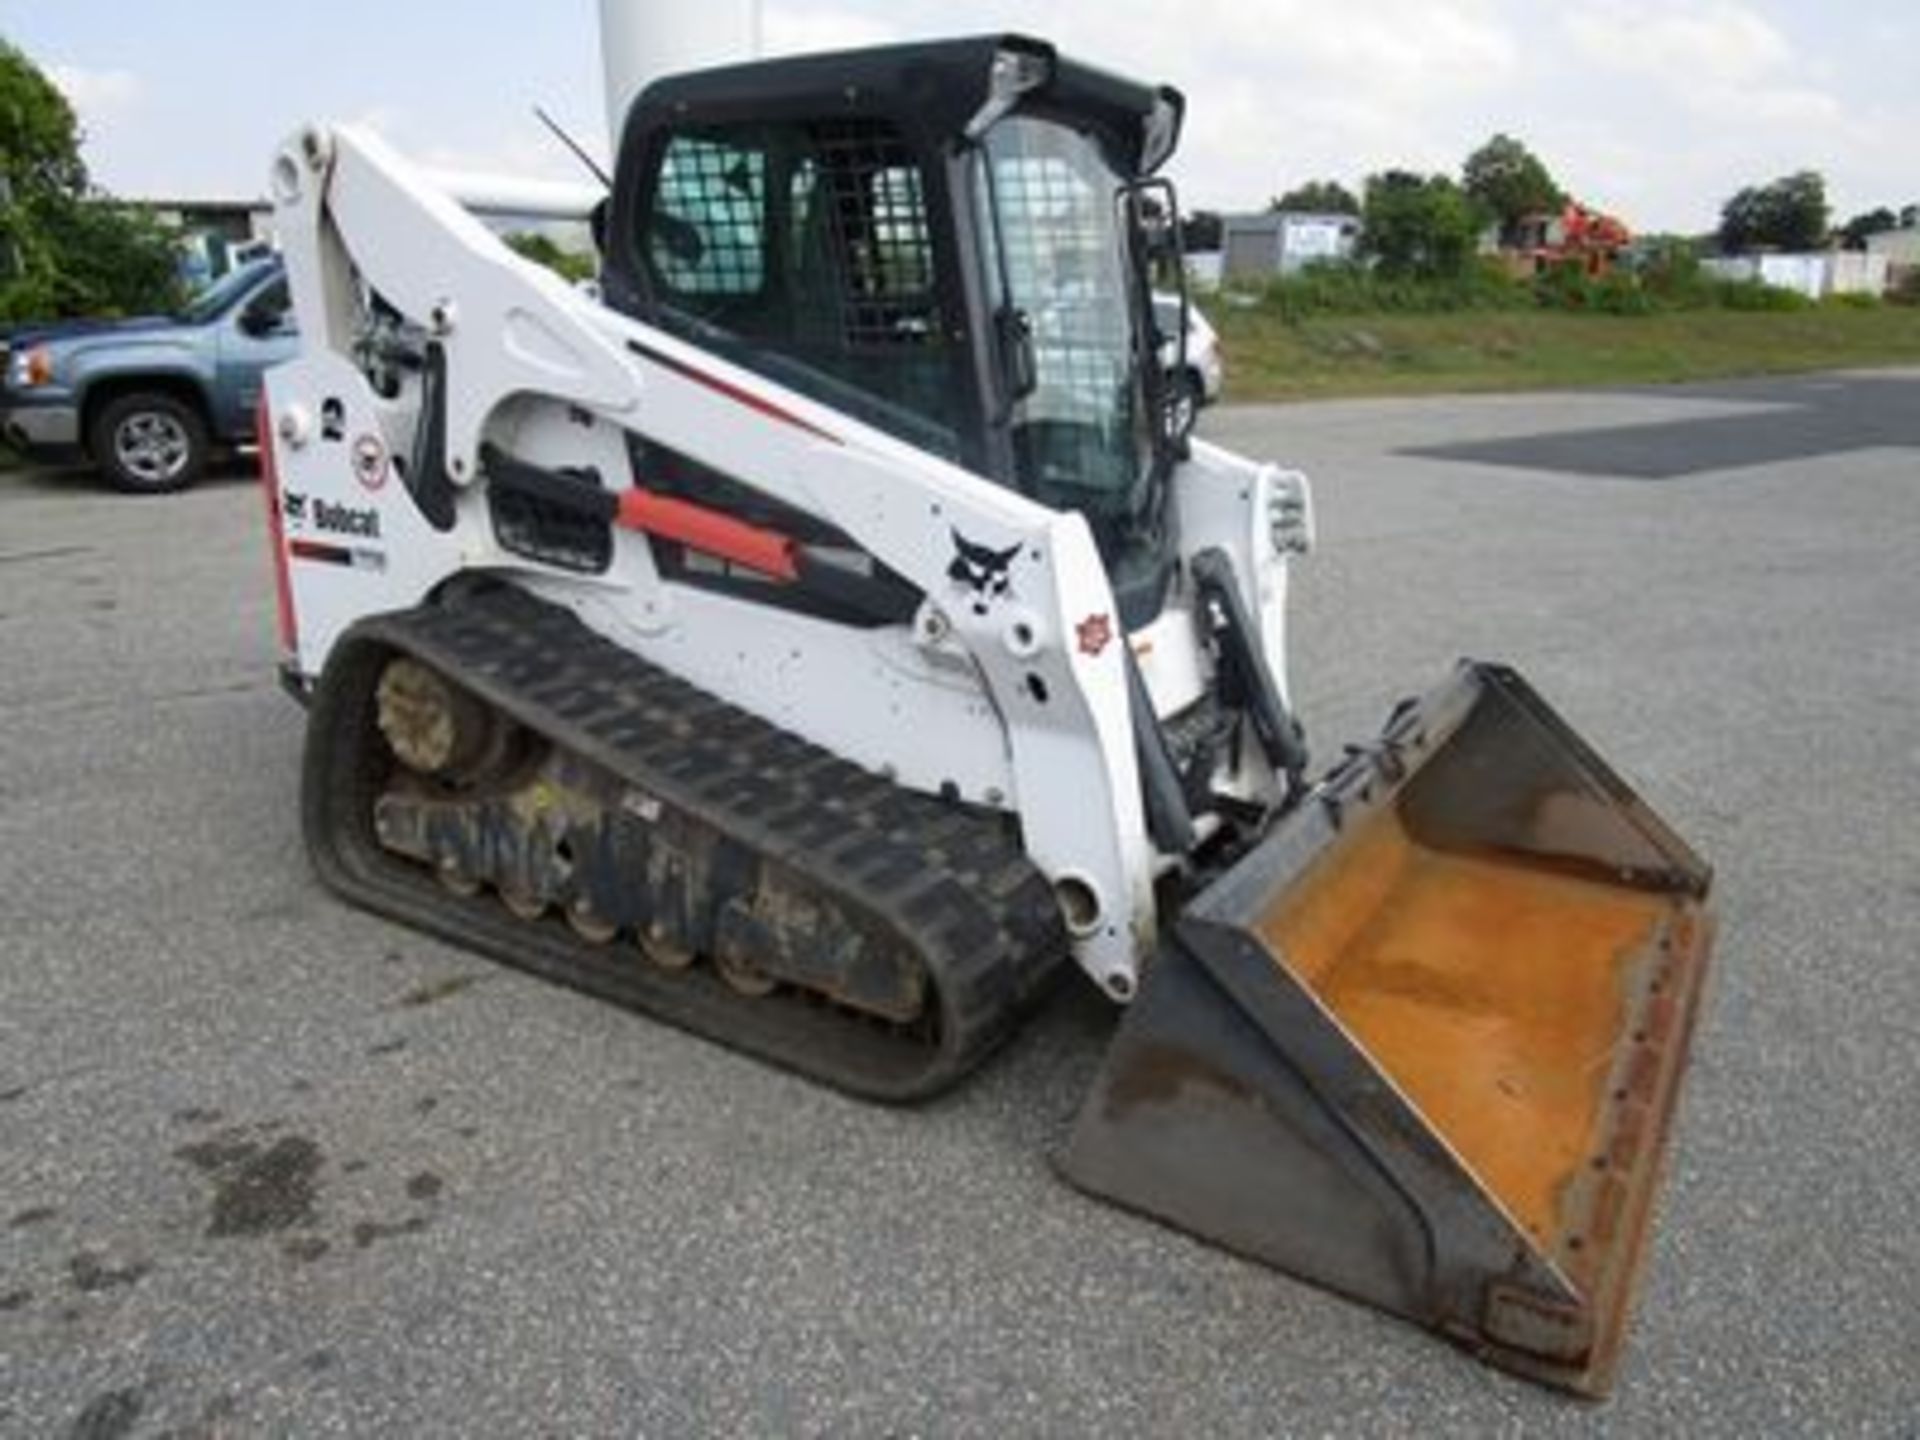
<point>1664,280</point>
<point>1564,287</point>
<point>1569,287</point>
<point>1621,293</point>
<point>1757,295</point>
<point>1347,288</point>
<point>1669,270</point>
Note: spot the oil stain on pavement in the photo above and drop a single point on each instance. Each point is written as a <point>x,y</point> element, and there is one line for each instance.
<point>257,1191</point>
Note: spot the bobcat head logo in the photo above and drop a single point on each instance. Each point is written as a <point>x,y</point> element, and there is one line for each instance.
<point>982,569</point>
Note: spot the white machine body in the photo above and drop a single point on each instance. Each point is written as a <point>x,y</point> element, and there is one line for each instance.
<point>1012,696</point>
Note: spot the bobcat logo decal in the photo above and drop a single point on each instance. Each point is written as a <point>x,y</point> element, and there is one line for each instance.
<point>982,569</point>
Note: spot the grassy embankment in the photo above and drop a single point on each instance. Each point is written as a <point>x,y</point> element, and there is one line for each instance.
<point>1272,355</point>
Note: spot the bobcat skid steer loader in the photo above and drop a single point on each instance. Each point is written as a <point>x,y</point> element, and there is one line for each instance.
<point>817,636</point>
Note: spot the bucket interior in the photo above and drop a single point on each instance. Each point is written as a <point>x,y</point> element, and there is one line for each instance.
<point>1493,988</point>
<point>1422,1042</point>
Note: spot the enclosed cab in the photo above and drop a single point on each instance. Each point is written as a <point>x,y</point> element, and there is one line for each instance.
<point>949,241</point>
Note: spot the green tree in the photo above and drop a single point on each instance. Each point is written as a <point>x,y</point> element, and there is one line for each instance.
<point>1202,230</point>
<point>1509,182</point>
<point>1319,197</point>
<point>1853,234</point>
<point>64,248</point>
<point>40,159</point>
<point>1422,227</point>
<point>1787,214</point>
<point>39,137</point>
<point>114,260</point>
<point>569,265</point>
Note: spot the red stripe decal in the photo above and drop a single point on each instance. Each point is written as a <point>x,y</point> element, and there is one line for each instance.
<point>270,485</point>
<point>325,554</point>
<point>733,392</point>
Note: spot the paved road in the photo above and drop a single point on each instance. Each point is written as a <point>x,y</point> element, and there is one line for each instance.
<point>273,1166</point>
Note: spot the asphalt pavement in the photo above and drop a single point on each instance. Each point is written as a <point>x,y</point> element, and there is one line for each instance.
<point>269,1165</point>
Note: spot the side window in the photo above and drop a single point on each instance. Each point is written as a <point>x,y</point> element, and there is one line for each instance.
<point>809,244</point>
<point>706,229</point>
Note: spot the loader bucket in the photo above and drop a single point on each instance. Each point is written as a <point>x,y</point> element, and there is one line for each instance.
<point>1422,1043</point>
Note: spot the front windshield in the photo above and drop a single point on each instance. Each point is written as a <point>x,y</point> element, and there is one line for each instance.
<point>1079,436</point>
<point>211,301</point>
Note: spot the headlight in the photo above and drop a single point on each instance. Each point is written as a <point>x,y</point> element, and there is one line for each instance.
<point>30,368</point>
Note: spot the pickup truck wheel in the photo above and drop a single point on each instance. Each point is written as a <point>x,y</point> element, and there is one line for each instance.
<point>149,442</point>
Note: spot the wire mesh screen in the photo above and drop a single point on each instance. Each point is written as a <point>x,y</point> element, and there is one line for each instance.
<point>862,249</point>
<point>811,243</point>
<point>707,232</point>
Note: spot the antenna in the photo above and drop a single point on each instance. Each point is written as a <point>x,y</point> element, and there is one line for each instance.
<point>579,154</point>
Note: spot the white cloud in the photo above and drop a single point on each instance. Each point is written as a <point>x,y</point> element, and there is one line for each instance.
<point>1720,60</point>
<point>795,30</point>
<point>1718,43</point>
<point>1398,45</point>
<point>1785,104</point>
<point>1714,95</point>
<point>97,95</point>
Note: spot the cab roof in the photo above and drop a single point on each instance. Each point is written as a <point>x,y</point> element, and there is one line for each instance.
<point>934,88</point>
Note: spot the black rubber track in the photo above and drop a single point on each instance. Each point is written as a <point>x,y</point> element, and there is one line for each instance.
<point>950,881</point>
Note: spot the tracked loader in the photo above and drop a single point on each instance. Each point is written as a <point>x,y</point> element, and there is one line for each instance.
<point>818,637</point>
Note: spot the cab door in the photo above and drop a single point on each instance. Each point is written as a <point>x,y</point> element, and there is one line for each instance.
<point>258,333</point>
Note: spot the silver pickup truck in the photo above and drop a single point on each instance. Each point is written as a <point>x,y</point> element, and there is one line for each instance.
<point>148,400</point>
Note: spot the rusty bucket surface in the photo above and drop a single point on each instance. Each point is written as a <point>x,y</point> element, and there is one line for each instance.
<point>1422,1044</point>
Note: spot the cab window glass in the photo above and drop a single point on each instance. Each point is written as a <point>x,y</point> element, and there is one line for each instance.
<point>707,231</point>
<point>805,251</point>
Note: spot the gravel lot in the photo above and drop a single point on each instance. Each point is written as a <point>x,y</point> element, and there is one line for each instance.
<point>274,1166</point>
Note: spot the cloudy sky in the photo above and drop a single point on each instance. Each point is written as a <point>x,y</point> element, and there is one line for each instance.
<point>1657,109</point>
